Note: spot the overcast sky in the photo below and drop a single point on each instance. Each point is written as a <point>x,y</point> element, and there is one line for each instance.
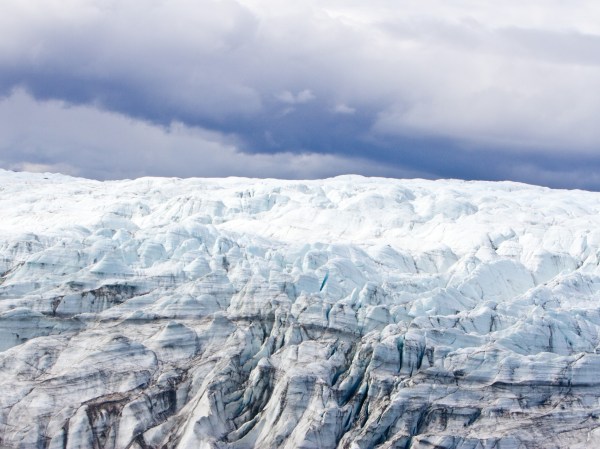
<point>303,89</point>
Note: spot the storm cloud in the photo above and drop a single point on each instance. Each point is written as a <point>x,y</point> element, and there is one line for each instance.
<point>302,89</point>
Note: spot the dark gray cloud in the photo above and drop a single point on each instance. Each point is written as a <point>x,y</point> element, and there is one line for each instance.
<point>86,141</point>
<point>303,89</point>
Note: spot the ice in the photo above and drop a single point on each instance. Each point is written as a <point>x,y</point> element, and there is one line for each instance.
<point>343,313</point>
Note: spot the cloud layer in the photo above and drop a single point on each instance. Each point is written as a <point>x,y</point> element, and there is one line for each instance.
<point>393,88</point>
<point>82,140</point>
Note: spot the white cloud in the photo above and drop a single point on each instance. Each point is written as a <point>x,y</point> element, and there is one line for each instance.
<point>342,108</point>
<point>301,97</point>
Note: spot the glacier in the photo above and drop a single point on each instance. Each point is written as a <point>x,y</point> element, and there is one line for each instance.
<point>348,313</point>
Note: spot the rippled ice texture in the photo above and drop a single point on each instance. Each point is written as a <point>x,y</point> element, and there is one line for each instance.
<point>340,313</point>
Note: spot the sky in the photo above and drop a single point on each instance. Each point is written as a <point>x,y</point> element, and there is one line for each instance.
<point>113,89</point>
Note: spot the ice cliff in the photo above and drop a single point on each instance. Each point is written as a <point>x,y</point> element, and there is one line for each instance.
<point>346,313</point>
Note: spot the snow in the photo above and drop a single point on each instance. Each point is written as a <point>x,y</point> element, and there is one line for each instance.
<point>349,312</point>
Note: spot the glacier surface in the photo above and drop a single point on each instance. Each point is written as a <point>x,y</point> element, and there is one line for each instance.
<point>346,313</point>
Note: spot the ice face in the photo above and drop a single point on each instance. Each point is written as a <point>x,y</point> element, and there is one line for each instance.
<point>341,313</point>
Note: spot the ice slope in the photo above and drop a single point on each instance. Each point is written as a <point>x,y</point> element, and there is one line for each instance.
<point>340,313</point>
